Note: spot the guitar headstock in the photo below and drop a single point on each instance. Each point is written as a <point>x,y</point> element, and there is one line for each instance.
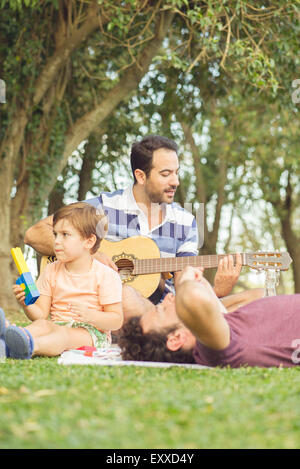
<point>268,260</point>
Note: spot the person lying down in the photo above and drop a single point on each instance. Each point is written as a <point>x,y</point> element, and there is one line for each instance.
<point>197,327</point>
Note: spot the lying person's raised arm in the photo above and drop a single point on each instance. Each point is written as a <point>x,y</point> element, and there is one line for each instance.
<point>201,311</point>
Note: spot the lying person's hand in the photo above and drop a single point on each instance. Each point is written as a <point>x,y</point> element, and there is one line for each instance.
<point>194,274</point>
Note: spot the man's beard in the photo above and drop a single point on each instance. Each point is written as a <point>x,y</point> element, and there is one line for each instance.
<point>161,197</point>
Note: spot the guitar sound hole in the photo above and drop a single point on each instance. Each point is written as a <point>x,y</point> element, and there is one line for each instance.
<point>125,268</point>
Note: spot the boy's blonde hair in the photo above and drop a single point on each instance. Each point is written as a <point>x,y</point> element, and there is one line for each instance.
<point>86,219</point>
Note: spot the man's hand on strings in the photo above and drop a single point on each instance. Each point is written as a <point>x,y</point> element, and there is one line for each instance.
<point>227,274</point>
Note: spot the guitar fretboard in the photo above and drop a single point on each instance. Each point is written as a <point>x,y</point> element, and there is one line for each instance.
<point>174,264</point>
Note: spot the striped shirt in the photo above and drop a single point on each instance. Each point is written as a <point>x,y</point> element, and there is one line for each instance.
<point>177,235</point>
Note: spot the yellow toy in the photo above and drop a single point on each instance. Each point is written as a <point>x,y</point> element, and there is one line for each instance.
<point>25,280</point>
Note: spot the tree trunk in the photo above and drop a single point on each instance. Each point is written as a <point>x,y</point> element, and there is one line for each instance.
<point>56,198</point>
<point>89,158</point>
<point>9,151</point>
<point>293,247</point>
<point>284,211</point>
<point>7,300</point>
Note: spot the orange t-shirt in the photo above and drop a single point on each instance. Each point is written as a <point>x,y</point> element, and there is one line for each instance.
<point>96,288</point>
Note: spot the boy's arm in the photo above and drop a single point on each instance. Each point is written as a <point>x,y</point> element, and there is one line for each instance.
<point>40,236</point>
<point>111,319</point>
<point>39,310</point>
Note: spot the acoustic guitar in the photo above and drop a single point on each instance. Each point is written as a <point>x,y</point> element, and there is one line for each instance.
<point>140,265</point>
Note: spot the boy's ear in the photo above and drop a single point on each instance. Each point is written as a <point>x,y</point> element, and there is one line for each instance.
<point>90,242</point>
<point>176,339</point>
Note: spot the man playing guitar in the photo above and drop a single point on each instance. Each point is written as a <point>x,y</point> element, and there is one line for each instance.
<point>147,208</point>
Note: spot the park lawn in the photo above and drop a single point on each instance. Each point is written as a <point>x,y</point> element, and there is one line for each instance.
<point>46,405</point>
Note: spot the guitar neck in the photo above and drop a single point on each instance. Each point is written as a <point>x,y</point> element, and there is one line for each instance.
<point>174,264</point>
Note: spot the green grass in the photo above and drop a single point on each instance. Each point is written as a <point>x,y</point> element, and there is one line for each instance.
<point>46,405</point>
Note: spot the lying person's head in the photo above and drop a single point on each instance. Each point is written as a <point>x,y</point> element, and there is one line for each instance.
<point>158,335</point>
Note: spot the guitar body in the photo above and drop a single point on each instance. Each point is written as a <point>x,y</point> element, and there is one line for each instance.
<point>124,253</point>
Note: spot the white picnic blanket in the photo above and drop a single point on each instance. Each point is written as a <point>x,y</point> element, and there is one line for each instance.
<point>112,357</point>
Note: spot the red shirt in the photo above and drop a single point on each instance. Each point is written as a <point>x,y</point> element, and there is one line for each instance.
<point>263,333</point>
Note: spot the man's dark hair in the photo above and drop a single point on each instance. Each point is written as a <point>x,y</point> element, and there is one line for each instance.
<point>152,346</point>
<point>142,152</point>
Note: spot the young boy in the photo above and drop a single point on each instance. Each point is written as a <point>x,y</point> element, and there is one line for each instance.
<point>82,295</point>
